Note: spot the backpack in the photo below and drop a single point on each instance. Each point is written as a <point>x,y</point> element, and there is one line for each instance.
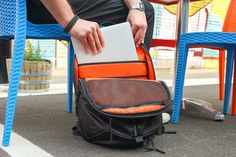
<point>120,103</point>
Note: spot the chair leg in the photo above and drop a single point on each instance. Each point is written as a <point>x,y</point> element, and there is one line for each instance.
<point>13,90</point>
<point>179,83</point>
<point>16,68</point>
<point>70,76</point>
<point>221,73</point>
<point>233,109</point>
<point>228,79</point>
<point>17,60</point>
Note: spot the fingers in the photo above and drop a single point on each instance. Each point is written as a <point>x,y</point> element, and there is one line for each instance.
<point>138,23</point>
<point>100,36</point>
<point>85,45</point>
<point>92,43</point>
<point>99,40</point>
<point>95,39</point>
<point>134,28</point>
<point>89,35</point>
<point>139,35</point>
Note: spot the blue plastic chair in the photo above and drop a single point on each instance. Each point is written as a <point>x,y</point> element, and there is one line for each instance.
<point>212,39</point>
<point>14,25</point>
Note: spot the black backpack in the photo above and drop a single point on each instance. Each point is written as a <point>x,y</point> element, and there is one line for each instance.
<point>121,112</point>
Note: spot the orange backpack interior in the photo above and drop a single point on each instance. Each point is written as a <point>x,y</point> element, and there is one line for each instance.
<point>141,69</point>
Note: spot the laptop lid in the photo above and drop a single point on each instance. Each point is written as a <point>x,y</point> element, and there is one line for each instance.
<point>119,46</point>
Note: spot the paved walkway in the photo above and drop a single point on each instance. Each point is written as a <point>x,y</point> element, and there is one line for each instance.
<point>43,127</point>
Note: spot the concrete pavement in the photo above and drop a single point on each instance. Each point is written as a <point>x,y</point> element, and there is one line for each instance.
<point>43,120</point>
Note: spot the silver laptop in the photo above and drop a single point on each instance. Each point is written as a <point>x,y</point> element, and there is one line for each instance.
<point>119,46</point>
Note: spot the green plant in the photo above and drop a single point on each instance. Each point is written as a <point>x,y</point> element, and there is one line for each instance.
<point>32,53</point>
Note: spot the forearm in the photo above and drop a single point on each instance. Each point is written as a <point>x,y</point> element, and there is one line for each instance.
<point>60,10</point>
<point>129,3</point>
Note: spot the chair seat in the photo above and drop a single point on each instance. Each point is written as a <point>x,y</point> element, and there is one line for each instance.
<point>42,31</point>
<point>225,40</point>
<point>215,39</point>
<point>45,31</point>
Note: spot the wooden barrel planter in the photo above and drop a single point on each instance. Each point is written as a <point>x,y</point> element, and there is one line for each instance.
<point>35,76</point>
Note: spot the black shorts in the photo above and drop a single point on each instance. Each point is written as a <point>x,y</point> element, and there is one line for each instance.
<point>5,49</point>
<point>93,10</point>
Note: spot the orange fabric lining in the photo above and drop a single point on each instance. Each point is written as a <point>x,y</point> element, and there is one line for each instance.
<point>150,68</point>
<point>141,54</point>
<point>76,72</point>
<point>134,110</point>
<point>117,70</point>
<point>144,56</point>
<point>112,70</point>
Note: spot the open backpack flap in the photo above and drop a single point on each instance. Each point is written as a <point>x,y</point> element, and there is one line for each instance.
<point>125,97</point>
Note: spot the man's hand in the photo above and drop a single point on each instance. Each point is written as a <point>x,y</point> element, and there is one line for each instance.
<point>138,23</point>
<point>89,35</point>
<point>87,32</point>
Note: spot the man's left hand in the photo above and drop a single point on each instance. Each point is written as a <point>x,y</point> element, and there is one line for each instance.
<point>138,23</point>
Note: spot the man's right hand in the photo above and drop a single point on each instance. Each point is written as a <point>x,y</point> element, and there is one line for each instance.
<point>89,34</point>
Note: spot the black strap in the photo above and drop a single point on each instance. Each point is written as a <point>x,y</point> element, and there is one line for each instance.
<point>170,132</point>
<point>137,133</point>
<point>76,131</point>
<point>149,142</point>
<point>162,131</point>
<point>110,128</point>
<point>71,23</point>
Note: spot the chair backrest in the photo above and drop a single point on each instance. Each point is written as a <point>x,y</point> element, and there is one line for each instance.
<point>230,18</point>
<point>8,13</point>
